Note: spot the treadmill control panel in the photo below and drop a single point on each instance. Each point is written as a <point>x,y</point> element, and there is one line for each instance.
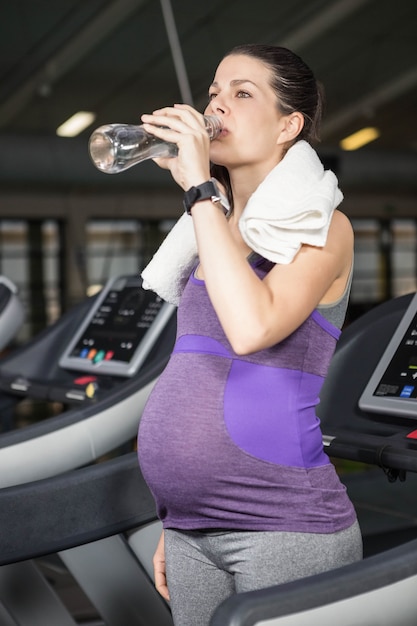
<point>119,331</point>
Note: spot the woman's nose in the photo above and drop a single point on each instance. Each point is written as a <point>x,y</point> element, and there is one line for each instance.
<point>218,105</point>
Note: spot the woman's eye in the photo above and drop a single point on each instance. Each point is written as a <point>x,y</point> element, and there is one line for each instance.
<point>243,94</point>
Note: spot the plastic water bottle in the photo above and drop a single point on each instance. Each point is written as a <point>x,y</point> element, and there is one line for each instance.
<point>116,147</point>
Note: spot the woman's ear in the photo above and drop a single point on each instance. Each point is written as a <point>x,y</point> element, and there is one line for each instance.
<point>292,126</point>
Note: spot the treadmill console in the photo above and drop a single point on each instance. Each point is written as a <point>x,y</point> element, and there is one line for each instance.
<point>119,331</point>
<point>392,387</point>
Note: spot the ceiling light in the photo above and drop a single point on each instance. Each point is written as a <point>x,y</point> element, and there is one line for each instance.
<point>76,124</point>
<point>360,138</point>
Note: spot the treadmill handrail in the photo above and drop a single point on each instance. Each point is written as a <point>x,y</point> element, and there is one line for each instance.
<point>84,505</point>
<point>372,449</point>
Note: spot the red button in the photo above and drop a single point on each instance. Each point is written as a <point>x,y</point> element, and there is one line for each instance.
<point>84,380</point>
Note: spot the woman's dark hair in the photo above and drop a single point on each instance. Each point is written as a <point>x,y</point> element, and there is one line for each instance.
<point>293,82</point>
<point>295,86</point>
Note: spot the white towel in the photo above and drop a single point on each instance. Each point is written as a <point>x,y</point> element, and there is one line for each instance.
<point>170,267</point>
<point>292,206</point>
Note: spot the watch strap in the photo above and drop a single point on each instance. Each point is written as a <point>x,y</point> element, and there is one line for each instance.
<point>205,191</point>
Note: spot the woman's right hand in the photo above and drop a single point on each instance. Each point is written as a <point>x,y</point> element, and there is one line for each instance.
<point>184,126</point>
<point>160,570</point>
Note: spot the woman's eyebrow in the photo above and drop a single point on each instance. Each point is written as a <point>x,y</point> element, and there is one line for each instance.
<point>234,83</point>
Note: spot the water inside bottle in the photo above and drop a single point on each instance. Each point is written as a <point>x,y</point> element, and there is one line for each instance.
<point>116,147</point>
<point>102,151</point>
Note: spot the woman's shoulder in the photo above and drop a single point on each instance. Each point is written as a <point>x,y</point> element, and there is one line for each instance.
<point>342,221</point>
<point>341,230</point>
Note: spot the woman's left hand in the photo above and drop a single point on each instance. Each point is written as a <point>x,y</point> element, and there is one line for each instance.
<point>184,126</point>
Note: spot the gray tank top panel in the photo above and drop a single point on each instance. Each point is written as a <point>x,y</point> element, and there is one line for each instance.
<point>335,312</point>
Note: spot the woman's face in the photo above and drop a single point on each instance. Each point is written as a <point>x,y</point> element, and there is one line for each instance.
<point>241,94</point>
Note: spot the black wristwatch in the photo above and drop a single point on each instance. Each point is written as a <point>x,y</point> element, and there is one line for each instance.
<point>205,191</point>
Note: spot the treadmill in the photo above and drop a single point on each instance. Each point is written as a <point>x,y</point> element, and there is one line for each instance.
<point>104,524</point>
<point>56,501</point>
<point>11,311</point>
<point>99,524</point>
<point>98,364</point>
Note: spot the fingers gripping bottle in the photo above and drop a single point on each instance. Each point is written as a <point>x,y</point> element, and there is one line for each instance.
<point>116,147</point>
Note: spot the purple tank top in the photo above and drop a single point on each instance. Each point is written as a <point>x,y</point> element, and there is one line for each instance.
<point>230,441</point>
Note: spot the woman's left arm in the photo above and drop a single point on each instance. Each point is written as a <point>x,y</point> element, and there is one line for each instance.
<point>256,314</point>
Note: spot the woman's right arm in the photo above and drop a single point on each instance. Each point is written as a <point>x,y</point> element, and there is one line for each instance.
<point>159,569</point>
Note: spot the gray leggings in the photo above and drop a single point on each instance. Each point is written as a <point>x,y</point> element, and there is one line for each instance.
<point>205,568</point>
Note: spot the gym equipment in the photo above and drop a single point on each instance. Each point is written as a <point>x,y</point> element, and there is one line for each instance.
<point>101,522</point>
<point>89,516</point>
<point>11,311</point>
<point>101,411</point>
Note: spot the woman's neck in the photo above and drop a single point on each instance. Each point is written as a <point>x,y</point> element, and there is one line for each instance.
<point>244,181</point>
